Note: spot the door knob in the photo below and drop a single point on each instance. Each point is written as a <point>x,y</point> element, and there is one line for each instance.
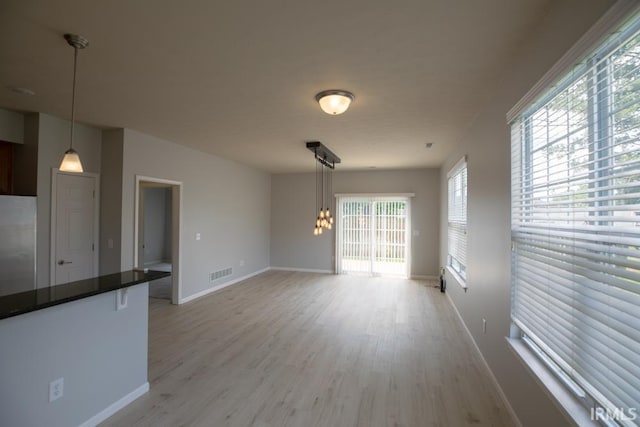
<point>62,262</point>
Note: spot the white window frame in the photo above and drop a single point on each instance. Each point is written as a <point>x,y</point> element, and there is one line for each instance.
<point>571,397</point>
<point>457,220</point>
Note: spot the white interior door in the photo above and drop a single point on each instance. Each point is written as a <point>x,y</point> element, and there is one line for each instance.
<point>75,228</point>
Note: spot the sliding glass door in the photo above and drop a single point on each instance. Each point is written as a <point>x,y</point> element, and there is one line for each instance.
<point>373,235</point>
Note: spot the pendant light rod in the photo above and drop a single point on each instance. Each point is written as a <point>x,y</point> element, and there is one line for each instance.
<point>322,189</point>
<point>77,42</point>
<point>317,188</point>
<point>73,94</point>
<point>71,160</point>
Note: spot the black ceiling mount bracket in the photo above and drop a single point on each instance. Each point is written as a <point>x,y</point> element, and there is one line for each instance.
<point>323,154</point>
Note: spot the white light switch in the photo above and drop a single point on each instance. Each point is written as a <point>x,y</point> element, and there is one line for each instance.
<point>416,232</point>
<point>110,243</point>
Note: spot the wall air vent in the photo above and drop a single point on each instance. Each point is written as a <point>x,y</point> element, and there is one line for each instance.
<point>216,275</point>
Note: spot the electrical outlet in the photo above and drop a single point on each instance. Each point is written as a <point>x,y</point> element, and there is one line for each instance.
<point>484,326</point>
<point>241,263</point>
<point>56,389</point>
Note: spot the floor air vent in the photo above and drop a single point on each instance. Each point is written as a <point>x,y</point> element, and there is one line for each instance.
<point>220,274</point>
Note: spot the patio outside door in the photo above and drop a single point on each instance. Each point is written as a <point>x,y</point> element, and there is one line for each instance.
<point>373,236</point>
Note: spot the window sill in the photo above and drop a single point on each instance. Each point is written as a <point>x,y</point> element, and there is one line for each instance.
<point>568,404</point>
<point>462,282</point>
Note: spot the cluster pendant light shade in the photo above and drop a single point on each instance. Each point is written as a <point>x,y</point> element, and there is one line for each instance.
<point>71,161</point>
<point>324,218</point>
<point>334,101</point>
<point>325,163</point>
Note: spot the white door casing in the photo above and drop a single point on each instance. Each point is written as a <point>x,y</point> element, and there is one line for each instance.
<point>74,226</point>
<point>140,245</point>
<point>176,239</point>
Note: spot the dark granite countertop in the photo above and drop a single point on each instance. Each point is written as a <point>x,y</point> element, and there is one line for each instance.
<point>37,299</point>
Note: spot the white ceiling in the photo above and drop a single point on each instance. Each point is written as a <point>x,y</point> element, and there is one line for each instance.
<point>238,78</point>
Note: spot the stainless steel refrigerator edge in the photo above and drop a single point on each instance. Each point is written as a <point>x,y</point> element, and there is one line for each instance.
<point>17,244</point>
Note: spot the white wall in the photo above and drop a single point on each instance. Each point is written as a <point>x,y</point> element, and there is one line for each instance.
<point>111,201</point>
<point>167,246</point>
<point>227,203</point>
<point>293,244</point>
<point>488,148</point>
<point>157,221</point>
<point>101,353</point>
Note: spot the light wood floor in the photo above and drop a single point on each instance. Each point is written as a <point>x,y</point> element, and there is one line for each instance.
<point>302,349</point>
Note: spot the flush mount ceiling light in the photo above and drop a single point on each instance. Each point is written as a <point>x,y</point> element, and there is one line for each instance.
<point>71,161</point>
<point>334,101</point>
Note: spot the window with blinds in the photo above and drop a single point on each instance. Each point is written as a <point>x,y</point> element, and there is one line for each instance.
<point>576,226</point>
<point>457,218</point>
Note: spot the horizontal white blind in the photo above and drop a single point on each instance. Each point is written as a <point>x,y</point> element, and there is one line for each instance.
<point>457,218</point>
<point>355,240</point>
<point>576,223</point>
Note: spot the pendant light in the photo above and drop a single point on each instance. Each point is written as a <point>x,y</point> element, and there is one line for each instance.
<point>334,101</point>
<point>71,161</point>
<point>324,185</point>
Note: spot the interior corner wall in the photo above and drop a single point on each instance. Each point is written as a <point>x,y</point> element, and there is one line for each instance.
<point>293,244</point>
<point>228,204</point>
<point>53,141</point>
<point>487,147</point>
<point>111,201</point>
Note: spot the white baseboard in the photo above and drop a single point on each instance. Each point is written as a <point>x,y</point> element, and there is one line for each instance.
<point>506,402</point>
<point>424,277</point>
<point>116,406</point>
<point>221,286</point>
<point>304,270</point>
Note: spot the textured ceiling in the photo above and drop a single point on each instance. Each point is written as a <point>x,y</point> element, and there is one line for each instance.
<point>238,78</point>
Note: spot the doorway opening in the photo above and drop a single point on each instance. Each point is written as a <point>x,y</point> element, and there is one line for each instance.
<point>373,235</point>
<point>157,234</point>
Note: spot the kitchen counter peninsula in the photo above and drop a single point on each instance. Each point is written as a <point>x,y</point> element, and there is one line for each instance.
<point>89,336</point>
<point>37,299</point>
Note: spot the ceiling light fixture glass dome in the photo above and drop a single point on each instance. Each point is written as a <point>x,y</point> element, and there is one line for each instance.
<point>334,101</point>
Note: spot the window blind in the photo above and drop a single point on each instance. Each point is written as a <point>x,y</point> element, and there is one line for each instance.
<point>576,224</point>
<point>457,217</point>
